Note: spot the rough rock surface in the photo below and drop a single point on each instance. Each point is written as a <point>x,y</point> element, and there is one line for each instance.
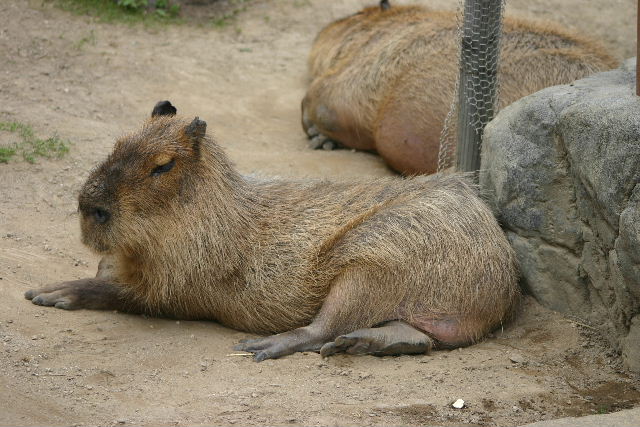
<point>562,170</point>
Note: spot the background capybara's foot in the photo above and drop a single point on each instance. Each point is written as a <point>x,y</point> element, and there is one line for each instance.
<point>390,339</point>
<point>318,140</point>
<point>85,293</point>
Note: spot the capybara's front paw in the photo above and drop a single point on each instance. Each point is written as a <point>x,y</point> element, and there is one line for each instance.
<point>85,293</point>
<point>61,295</point>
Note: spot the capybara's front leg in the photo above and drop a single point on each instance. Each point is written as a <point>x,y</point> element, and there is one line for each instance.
<point>91,293</point>
<point>99,293</point>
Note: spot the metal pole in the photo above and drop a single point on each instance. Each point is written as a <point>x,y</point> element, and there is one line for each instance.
<point>478,73</point>
<point>638,50</point>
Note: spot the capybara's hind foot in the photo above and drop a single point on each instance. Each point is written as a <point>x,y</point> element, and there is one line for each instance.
<point>318,140</point>
<point>392,338</point>
<point>274,346</point>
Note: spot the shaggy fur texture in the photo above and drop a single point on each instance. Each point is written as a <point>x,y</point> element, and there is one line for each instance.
<point>384,79</point>
<point>200,241</point>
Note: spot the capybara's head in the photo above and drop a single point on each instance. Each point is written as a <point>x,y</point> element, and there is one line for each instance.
<point>147,172</point>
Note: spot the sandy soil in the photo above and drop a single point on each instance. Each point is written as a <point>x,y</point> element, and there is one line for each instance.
<point>90,82</point>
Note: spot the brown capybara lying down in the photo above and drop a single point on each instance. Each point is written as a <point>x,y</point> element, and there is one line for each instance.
<point>384,266</point>
<point>383,79</point>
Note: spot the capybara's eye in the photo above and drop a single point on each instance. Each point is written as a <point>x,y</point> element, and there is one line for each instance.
<point>163,168</point>
<point>101,215</point>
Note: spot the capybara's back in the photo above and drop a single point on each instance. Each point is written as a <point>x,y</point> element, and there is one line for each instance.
<point>384,79</point>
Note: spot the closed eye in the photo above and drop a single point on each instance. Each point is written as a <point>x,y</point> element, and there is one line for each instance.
<point>163,168</point>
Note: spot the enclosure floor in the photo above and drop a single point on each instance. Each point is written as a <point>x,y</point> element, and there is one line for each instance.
<point>90,82</point>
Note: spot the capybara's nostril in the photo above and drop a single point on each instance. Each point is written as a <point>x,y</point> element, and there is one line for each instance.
<point>101,216</point>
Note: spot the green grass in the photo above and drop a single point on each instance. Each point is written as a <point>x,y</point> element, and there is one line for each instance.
<point>90,40</point>
<point>30,146</point>
<point>127,11</point>
<point>237,7</point>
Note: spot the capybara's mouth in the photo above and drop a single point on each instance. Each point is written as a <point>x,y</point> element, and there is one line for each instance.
<point>97,246</point>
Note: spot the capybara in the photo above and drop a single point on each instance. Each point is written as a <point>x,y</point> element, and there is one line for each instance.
<point>385,266</point>
<point>384,78</point>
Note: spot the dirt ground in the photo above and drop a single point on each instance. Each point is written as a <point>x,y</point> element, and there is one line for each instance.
<point>90,82</point>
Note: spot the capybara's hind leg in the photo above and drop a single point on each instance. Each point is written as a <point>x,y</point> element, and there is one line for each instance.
<point>317,139</point>
<point>392,338</point>
<point>349,306</point>
<point>325,118</point>
<point>405,139</point>
<point>308,338</point>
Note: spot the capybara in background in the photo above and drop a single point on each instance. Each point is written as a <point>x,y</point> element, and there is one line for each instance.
<point>386,266</point>
<point>384,78</point>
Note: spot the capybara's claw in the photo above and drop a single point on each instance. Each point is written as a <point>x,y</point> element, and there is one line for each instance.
<point>262,355</point>
<point>312,131</point>
<point>260,351</point>
<point>329,349</point>
<point>317,142</point>
<point>252,345</point>
<point>53,299</point>
<point>84,293</point>
<point>346,344</point>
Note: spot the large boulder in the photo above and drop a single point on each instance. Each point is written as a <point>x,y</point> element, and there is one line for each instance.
<point>561,168</point>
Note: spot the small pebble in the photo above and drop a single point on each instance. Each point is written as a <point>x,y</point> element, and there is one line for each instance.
<point>516,358</point>
<point>458,404</point>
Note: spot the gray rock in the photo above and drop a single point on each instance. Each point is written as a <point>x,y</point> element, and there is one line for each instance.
<point>561,168</point>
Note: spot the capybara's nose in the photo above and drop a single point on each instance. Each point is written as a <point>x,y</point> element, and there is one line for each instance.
<point>101,216</point>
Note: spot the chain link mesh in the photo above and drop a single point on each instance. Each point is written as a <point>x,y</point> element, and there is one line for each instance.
<point>479,55</point>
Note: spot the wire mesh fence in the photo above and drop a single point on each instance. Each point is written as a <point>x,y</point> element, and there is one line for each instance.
<point>479,24</point>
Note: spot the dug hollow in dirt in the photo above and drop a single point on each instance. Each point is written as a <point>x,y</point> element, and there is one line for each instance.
<point>384,79</point>
<point>386,266</point>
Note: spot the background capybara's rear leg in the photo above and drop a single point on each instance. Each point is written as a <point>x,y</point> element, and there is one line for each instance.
<point>407,138</point>
<point>354,302</point>
<point>395,337</point>
<point>326,117</point>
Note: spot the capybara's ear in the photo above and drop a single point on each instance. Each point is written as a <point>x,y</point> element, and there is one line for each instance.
<point>164,108</point>
<point>384,4</point>
<point>195,131</point>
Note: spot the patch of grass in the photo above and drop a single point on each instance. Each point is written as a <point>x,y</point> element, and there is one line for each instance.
<point>223,21</point>
<point>127,11</point>
<point>90,39</point>
<point>6,153</point>
<point>30,146</point>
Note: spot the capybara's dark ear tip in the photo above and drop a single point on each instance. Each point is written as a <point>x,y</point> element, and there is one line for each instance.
<point>384,4</point>
<point>164,108</point>
<point>197,128</point>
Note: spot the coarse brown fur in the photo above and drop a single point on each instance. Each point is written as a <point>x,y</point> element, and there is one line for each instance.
<point>201,241</point>
<point>383,79</point>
